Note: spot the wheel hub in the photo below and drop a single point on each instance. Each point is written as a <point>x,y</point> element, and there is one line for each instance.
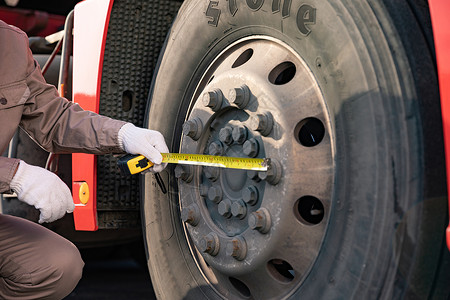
<point>257,229</point>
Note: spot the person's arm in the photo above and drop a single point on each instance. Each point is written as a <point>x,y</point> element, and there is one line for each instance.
<point>55,123</point>
<point>61,126</point>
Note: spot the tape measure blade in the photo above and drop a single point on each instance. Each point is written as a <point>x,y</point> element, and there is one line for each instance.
<point>256,164</point>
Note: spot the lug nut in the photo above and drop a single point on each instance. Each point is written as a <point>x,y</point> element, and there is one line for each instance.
<point>273,173</point>
<point>215,194</point>
<point>184,173</point>
<point>210,244</point>
<point>193,128</point>
<point>240,96</point>
<point>212,173</point>
<point>215,148</point>
<point>225,135</point>
<point>224,208</point>
<point>239,134</point>
<point>252,174</point>
<point>204,190</point>
<point>190,214</point>
<point>237,248</point>
<point>250,195</point>
<point>262,123</point>
<point>213,99</point>
<point>260,220</point>
<point>251,147</point>
<point>238,209</point>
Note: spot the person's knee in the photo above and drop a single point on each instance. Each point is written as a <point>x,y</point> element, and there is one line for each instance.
<point>54,277</point>
<point>72,265</point>
<point>67,268</point>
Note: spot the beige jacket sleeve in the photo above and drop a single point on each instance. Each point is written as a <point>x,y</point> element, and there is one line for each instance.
<point>55,123</point>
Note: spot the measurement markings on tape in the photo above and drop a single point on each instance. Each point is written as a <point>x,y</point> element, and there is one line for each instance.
<point>257,164</point>
<point>133,164</point>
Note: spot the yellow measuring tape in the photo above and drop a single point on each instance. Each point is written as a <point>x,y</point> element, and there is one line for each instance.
<point>132,164</point>
<point>258,164</point>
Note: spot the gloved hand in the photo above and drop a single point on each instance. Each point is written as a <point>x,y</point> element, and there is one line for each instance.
<point>150,143</point>
<point>44,190</point>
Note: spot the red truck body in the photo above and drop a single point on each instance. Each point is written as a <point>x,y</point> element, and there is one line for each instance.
<point>90,27</point>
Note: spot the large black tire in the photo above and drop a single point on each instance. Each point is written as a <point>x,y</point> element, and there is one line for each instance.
<point>360,207</point>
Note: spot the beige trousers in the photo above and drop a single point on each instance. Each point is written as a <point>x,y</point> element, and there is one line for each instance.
<point>36,263</point>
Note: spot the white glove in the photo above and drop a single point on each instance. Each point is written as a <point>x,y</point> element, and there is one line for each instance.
<point>150,143</point>
<point>44,190</point>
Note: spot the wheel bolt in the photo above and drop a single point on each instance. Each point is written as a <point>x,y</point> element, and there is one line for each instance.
<point>183,173</point>
<point>224,208</point>
<point>238,209</point>
<point>215,194</point>
<point>190,214</point>
<point>193,128</point>
<point>273,173</point>
<point>215,148</point>
<point>225,135</point>
<point>240,96</point>
<point>210,244</point>
<point>237,248</point>
<point>251,147</point>
<point>260,220</point>
<point>212,173</point>
<point>239,134</point>
<point>250,195</point>
<point>262,123</point>
<point>204,190</point>
<point>252,174</point>
<point>213,99</point>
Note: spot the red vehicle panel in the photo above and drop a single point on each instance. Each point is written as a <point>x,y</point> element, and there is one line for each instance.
<point>91,20</point>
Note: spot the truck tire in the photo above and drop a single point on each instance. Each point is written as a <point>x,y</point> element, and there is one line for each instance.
<point>343,97</point>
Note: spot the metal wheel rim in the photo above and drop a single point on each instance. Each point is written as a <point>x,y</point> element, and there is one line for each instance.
<point>235,251</point>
